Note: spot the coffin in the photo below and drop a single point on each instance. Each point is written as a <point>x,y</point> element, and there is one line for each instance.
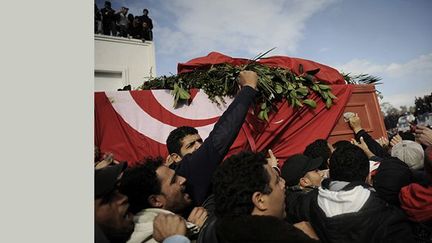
<point>363,101</point>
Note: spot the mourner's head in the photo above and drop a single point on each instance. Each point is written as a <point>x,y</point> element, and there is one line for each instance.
<point>245,184</point>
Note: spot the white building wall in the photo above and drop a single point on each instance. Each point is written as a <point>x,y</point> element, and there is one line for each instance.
<point>122,61</point>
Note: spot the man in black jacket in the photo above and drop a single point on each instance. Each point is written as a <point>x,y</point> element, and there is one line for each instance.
<point>249,203</point>
<point>302,178</point>
<point>198,165</point>
<point>347,210</point>
<point>154,185</point>
<point>147,25</point>
<point>108,20</point>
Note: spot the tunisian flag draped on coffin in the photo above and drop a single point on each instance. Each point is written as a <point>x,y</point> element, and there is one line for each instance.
<point>135,124</point>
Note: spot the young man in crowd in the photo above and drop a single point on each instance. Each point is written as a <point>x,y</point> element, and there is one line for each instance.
<point>196,161</point>
<point>180,142</point>
<point>392,173</point>
<point>303,172</point>
<point>302,177</point>
<point>347,210</point>
<point>154,188</point>
<point>249,200</point>
<point>113,221</point>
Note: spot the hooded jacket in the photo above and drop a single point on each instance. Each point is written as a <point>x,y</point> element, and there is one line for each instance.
<point>350,212</point>
<point>416,201</point>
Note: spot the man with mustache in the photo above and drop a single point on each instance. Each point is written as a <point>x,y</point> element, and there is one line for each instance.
<point>155,188</point>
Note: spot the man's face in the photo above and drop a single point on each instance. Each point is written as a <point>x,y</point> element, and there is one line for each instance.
<point>112,216</point>
<point>276,202</point>
<point>314,177</point>
<point>190,143</point>
<point>173,188</point>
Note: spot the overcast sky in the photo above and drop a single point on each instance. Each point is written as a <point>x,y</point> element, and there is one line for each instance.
<point>391,39</point>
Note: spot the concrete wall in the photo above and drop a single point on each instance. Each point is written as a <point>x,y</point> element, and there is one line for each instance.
<point>122,61</point>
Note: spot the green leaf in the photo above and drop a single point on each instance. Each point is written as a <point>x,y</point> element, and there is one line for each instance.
<point>263,106</point>
<point>278,89</point>
<point>329,102</point>
<point>310,103</point>
<point>266,115</point>
<point>261,115</point>
<point>183,94</point>
<point>290,86</point>
<point>176,98</point>
<point>303,91</point>
<point>324,87</point>
<point>175,90</point>
<point>324,95</point>
<point>298,103</point>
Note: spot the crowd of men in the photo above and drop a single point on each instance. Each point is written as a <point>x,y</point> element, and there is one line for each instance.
<point>120,23</point>
<point>363,190</point>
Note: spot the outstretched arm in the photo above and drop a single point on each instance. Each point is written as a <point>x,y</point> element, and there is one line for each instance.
<point>199,166</point>
<point>374,146</point>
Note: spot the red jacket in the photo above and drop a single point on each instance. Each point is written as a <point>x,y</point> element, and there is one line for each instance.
<point>416,200</point>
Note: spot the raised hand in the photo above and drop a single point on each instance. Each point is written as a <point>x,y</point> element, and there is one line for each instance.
<point>423,135</point>
<point>198,216</point>
<point>248,78</point>
<point>166,225</point>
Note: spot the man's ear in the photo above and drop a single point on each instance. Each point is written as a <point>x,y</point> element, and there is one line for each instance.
<point>156,201</point>
<point>172,158</point>
<point>258,200</point>
<point>304,182</point>
<point>176,157</point>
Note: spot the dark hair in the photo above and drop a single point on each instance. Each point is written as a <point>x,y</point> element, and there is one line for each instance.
<point>236,180</point>
<point>319,148</point>
<point>145,10</point>
<point>349,163</point>
<point>341,143</point>
<point>175,137</point>
<point>140,182</point>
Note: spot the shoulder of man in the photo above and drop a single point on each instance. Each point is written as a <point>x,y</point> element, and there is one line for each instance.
<point>254,228</point>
